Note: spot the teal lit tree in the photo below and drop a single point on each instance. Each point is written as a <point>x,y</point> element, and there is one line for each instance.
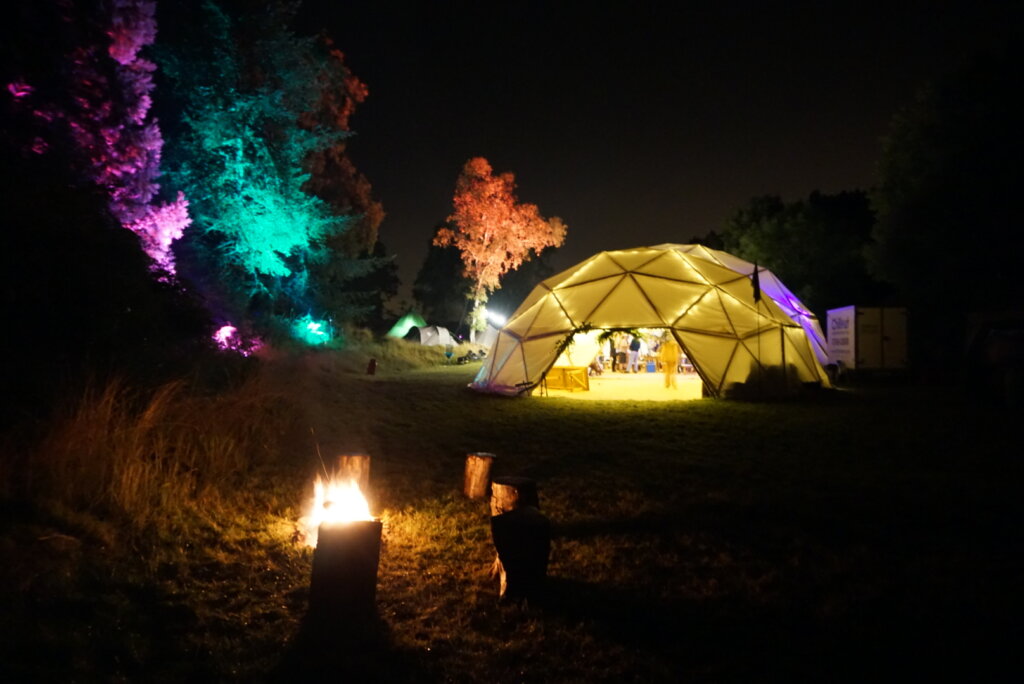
<point>250,91</point>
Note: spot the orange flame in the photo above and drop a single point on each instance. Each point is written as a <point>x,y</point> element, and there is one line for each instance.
<point>334,501</point>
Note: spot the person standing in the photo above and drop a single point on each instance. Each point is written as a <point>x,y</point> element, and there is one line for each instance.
<point>621,364</point>
<point>634,354</point>
<point>669,355</point>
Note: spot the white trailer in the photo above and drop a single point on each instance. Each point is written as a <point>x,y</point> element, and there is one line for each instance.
<point>868,338</point>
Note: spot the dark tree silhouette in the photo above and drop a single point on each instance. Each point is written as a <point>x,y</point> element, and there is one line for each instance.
<point>440,289</point>
<point>815,246</point>
<point>948,234</point>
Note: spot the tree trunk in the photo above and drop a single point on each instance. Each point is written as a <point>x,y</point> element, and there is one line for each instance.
<point>522,538</point>
<point>355,467</point>
<point>478,475</point>
<point>509,493</point>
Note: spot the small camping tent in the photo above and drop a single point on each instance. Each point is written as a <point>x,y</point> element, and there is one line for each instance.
<point>402,326</point>
<point>704,297</point>
<point>435,336</point>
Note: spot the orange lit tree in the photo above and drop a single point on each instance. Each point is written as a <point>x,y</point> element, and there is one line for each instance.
<point>493,232</point>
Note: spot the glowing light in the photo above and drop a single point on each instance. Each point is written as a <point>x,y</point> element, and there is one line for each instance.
<point>311,330</point>
<point>19,89</point>
<point>228,338</point>
<point>334,501</point>
<point>224,335</point>
<point>495,318</point>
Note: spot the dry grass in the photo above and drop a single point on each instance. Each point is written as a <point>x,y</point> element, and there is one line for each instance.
<point>147,457</point>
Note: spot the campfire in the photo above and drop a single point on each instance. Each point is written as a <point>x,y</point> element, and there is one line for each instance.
<point>346,541</point>
<point>335,500</point>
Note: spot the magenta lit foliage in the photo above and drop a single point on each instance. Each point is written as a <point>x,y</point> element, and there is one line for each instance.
<point>229,338</point>
<point>117,140</point>
<point>130,31</point>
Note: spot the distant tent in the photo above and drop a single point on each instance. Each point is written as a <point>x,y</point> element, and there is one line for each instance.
<point>435,335</point>
<point>409,320</point>
<point>703,297</point>
<point>487,337</point>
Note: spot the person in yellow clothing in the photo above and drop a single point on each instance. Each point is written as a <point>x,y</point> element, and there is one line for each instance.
<point>669,354</point>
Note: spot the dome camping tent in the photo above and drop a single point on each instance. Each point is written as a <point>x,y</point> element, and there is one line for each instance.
<point>436,336</point>
<point>401,327</point>
<point>704,297</point>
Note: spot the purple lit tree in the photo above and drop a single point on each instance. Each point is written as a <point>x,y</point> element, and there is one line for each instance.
<point>102,108</point>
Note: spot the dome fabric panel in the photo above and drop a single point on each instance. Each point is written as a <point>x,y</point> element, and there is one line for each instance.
<point>710,355</point>
<point>707,316</point>
<point>629,260</point>
<point>670,264</point>
<point>626,302</point>
<point>671,298</point>
<point>583,300</point>
<point>704,296</point>
<point>594,268</point>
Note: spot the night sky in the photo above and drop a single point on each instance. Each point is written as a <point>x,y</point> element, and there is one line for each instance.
<point>637,123</point>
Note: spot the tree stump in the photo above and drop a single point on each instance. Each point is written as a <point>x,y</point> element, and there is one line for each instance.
<point>343,587</point>
<point>478,475</point>
<point>355,467</point>
<point>522,538</point>
<point>509,493</point>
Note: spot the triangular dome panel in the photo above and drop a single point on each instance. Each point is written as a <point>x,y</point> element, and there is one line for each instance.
<point>706,316</point>
<point>632,259</point>
<point>709,354</point>
<point>598,266</point>
<point>626,306</point>
<point>583,299</point>
<point>671,298</point>
<point>550,318</point>
<point>672,265</point>
<point>538,293</point>
<point>745,319</point>
<point>713,273</point>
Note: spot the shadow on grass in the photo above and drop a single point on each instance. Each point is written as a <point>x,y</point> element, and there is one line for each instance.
<point>733,639</point>
<point>347,650</point>
<point>851,599</point>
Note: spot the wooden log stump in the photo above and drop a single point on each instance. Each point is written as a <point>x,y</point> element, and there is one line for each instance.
<point>355,467</point>
<point>343,587</point>
<point>477,477</point>
<point>522,538</point>
<point>509,493</point>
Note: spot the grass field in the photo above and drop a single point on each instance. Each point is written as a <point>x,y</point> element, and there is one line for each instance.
<point>869,534</point>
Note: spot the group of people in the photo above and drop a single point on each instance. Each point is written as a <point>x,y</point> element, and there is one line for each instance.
<point>628,352</point>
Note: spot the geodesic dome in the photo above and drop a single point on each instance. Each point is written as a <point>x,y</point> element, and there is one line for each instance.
<point>703,297</point>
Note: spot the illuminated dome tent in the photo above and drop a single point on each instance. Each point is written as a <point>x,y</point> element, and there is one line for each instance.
<point>703,296</point>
